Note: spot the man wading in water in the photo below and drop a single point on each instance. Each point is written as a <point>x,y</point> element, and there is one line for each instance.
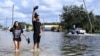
<point>36,28</point>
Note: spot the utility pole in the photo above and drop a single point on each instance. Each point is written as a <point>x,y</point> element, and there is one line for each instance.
<point>12,14</point>
<point>88,17</point>
<point>6,26</point>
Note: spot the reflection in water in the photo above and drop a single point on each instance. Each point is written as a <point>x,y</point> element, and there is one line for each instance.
<point>17,54</point>
<point>72,46</point>
<point>35,53</point>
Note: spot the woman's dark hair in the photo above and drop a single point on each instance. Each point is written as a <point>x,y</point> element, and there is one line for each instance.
<point>14,26</point>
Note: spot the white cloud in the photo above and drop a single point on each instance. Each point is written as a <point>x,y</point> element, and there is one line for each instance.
<point>5,13</point>
<point>8,14</point>
<point>50,6</point>
<point>78,3</point>
<point>6,10</point>
<point>24,3</point>
<point>43,7</point>
<point>16,7</point>
<point>8,3</point>
<point>19,15</point>
<point>0,9</point>
<point>36,2</point>
<point>88,1</point>
<point>50,2</point>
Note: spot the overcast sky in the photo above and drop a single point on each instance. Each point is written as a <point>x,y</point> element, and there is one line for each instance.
<point>49,10</point>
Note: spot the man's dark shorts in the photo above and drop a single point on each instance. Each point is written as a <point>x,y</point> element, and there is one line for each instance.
<point>36,38</point>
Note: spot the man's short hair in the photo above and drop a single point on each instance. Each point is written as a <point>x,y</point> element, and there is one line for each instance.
<point>36,15</point>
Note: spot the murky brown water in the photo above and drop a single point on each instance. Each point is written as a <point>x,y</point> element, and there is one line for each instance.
<point>52,44</point>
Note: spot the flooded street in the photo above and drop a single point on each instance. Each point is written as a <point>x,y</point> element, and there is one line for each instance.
<point>52,44</point>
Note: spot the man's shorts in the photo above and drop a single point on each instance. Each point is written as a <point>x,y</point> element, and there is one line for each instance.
<point>36,38</point>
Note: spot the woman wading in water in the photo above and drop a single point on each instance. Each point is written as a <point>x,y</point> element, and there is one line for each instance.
<point>16,31</point>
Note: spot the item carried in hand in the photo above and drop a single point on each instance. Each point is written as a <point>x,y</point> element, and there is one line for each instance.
<point>28,40</point>
<point>36,7</point>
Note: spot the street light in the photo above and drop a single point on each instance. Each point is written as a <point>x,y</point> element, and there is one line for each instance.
<point>88,16</point>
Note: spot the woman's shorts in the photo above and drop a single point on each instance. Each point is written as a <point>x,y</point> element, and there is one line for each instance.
<point>16,39</point>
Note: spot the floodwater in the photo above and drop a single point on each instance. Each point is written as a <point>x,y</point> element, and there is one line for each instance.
<point>52,44</point>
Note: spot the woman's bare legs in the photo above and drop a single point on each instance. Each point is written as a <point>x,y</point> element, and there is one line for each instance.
<point>17,45</point>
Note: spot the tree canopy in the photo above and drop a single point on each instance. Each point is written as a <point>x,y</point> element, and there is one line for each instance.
<point>0,26</point>
<point>77,15</point>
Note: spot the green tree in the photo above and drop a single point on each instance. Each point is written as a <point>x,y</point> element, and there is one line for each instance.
<point>50,23</point>
<point>0,26</point>
<point>75,15</point>
<point>23,24</point>
<point>97,23</point>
